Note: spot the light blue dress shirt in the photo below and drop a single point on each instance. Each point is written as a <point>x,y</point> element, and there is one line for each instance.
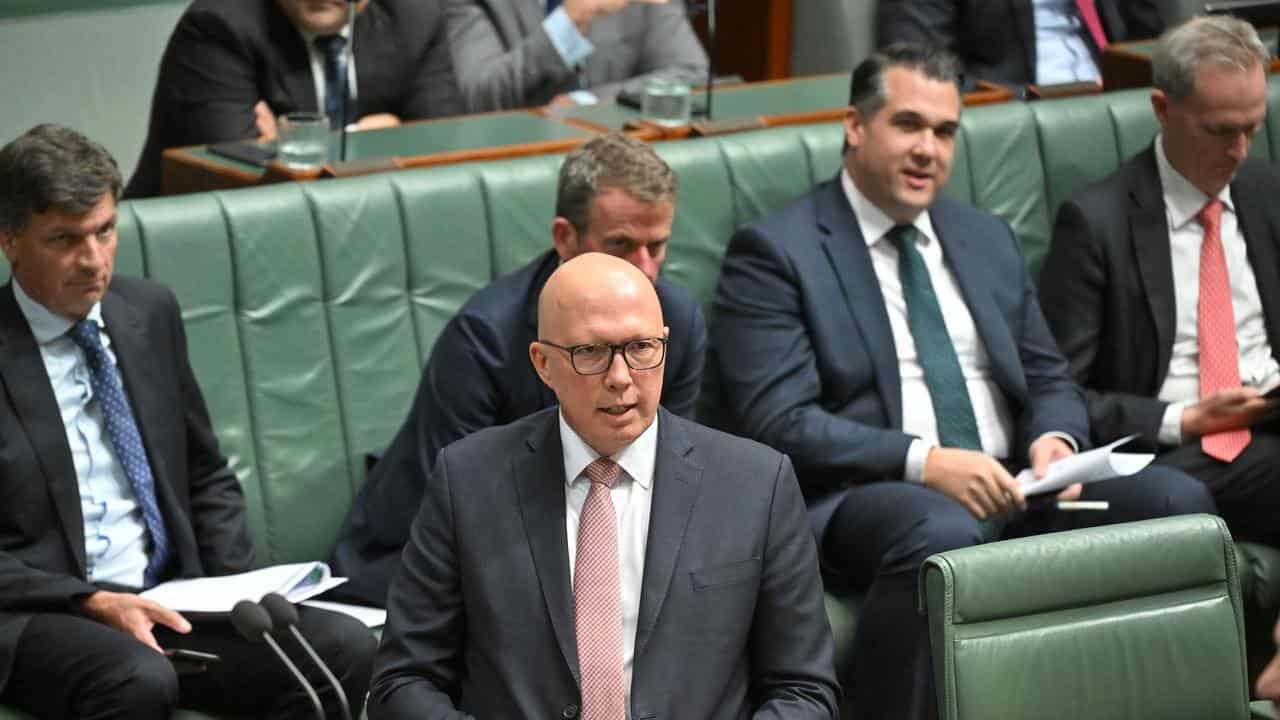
<point>115,537</point>
<point>574,47</point>
<point>1062,54</point>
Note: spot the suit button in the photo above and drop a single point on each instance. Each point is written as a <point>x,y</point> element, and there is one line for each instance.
<point>569,712</point>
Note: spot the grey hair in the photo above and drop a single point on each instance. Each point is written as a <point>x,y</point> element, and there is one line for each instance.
<point>53,167</point>
<point>614,160</point>
<point>1219,39</point>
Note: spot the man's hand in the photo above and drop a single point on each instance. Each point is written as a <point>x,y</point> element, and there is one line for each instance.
<point>134,615</point>
<point>976,481</point>
<point>582,12</point>
<point>265,121</point>
<point>1229,409</point>
<point>377,120</point>
<point>1046,450</point>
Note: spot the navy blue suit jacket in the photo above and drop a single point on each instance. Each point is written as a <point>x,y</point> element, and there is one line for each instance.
<point>813,371</point>
<point>479,375</point>
<point>731,622</point>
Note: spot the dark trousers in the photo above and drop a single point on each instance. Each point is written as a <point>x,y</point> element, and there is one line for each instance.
<point>69,666</point>
<point>1247,490</point>
<point>882,533</point>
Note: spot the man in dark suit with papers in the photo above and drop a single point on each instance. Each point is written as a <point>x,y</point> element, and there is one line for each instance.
<point>888,339</point>
<point>110,474</point>
<point>606,559</point>
<point>1163,281</point>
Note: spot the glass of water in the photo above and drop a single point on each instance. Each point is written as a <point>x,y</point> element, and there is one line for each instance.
<point>666,101</point>
<point>304,140</point>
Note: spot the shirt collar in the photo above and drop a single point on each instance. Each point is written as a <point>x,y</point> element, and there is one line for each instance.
<point>637,459</point>
<point>47,325</point>
<point>873,221</point>
<point>1183,200</point>
<point>310,38</point>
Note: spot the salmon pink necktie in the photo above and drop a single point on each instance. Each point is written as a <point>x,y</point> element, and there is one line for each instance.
<point>1219,355</point>
<point>1089,14</point>
<point>597,596</point>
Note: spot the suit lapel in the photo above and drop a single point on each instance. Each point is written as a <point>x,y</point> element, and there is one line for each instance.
<point>291,68</point>
<point>1149,232</point>
<point>1024,19</point>
<point>966,265</point>
<point>847,251</point>
<point>676,479</point>
<point>528,15</point>
<point>1251,204</point>
<point>539,479</point>
<point>34,404</point>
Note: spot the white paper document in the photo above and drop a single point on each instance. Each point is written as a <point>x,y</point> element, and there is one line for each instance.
<point>1087,467</point>
<point>371,617</point>
<point>295,582</point>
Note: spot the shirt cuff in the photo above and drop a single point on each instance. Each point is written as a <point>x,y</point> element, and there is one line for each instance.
<point>574,48</point>
<point>913,471</point>
<point>1075,446</point>
<point>584,97</point>
<point>1171,425</point>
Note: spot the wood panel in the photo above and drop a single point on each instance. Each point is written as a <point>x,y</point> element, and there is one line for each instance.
<point>753,38</point>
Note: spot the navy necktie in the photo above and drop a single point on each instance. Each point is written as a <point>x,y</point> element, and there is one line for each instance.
<point>333,48</point>
<point>952,409</point>
<point>126,440</point>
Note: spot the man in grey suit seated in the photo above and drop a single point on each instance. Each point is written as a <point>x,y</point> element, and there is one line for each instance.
<point>606,558</point>
<point>521,53</point>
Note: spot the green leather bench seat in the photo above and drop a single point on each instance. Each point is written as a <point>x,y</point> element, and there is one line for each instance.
<point>311,307</point>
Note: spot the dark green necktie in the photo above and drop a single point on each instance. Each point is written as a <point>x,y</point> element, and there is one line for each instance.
<point>942,375</point>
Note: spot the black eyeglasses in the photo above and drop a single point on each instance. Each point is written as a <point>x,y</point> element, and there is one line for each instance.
<point>596,358</point>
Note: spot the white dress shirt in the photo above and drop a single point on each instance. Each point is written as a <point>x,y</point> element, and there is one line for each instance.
<point>115,536</point>
<point>317,66</point>
<point>632,497</point>
<point>990,408</point>
<point>1062,54</point>
<point>1182,202</point>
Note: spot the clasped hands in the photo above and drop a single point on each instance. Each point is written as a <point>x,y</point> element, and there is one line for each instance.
<point>982,485</point>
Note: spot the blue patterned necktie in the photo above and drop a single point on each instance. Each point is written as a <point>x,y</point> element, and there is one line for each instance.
<point>335,69</point>
<point>125,440</point>
<point>952,409</point>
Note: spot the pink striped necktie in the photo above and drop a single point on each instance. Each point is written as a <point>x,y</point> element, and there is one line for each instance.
<point>597,594</point>
<point>1089,13</point>
<point>1219,354</point>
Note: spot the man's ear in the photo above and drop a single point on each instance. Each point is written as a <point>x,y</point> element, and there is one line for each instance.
<point>1160,104</point>
<point>853,129</point>
<point>539,360</point>
<point>565,238</point>
<point>8,243</point>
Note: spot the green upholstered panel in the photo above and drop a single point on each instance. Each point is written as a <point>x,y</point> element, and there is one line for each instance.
<point>129,249</point>
<point>1135,123</point>
<point>1077,143</point>
<point>289,368</point>
<point>374,351</point>
<point>767,169</point>
<point>704,215</point>
<point>447,251</point>
<point>1273,116</point>
<point>960,186</point>
<point>521,198</point>
<point>1007,178</point>
<point>175,231</point>
<point>1175,655</point>
<point>822,144</point>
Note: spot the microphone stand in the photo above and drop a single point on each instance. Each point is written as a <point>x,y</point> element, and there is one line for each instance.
<point>347,99</point>
<point>708,7</point>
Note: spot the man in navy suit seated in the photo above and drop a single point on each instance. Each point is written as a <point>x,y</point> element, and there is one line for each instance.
<point>615,195</point>
<point>888,339</point>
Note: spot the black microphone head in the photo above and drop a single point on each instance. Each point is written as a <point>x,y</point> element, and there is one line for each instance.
<point>250,620</point>
<point>282,612</point>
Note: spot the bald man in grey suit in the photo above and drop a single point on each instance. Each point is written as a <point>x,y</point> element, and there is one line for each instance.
<point>522,53</point>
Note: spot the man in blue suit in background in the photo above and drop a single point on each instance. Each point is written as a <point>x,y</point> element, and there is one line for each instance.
<point>888,339</point>
<point>616,196</point>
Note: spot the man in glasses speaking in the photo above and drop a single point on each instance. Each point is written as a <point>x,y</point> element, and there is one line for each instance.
<point>616,196</point>
<point>606,559</point>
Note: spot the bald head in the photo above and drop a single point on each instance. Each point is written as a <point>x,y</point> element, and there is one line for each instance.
<point>604,312</point>
<point>594,282</point>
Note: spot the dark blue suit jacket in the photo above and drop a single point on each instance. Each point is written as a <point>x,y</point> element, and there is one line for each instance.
<point>731,622</point>
<point>479,375</point>
<point>813,371</point>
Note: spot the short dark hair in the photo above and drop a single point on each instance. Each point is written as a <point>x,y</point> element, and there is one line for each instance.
<point>613,160</point>
<point>51,166</point>
<point>867,93</point>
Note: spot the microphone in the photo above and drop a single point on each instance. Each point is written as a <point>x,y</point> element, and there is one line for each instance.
<point>284,615</point>
<point>348,100</point>
<point>253,624</point>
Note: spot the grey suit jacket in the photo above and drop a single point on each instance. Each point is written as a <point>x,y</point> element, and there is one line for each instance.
<point>731,623</point>
<point>504,59</point>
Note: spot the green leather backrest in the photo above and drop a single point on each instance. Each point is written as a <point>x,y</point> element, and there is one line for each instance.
<point>1125,621</point>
